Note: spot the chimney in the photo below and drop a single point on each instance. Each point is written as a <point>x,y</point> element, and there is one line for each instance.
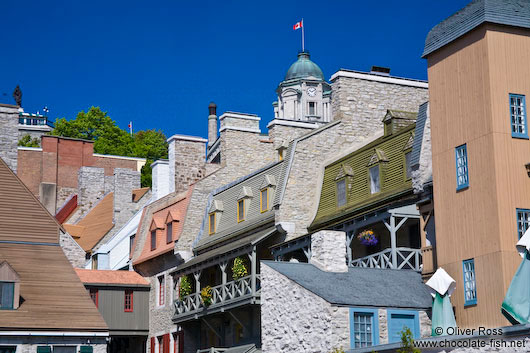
<point>212,124</point>
<point>187,158</point>
<point>125,181</point>
<point>9,135</point>
<point>160,172</point>
<point>328,251</point>
<point>381,71</point>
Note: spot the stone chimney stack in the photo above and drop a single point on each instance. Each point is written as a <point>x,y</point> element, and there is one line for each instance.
<point>187,159</point>
<point>328,251</point>
<point>212,124</point>
<point>125,181</point>
<point>160,178</point>
<point>9,135</point>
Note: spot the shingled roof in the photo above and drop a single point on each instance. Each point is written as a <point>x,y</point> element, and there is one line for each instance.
<point>370,287</point>
<point>504,12</point>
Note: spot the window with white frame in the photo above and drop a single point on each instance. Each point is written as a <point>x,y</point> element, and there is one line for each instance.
<point>470,285</point>
<point>523,221</point>
<point>375,184</point>
<point>161,290</point>
<point>462,178</point>
<point>518,115</point>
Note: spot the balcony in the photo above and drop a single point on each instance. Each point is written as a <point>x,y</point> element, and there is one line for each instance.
<point>34,121</point>
<point>401,258</point>
<point>246,290</point>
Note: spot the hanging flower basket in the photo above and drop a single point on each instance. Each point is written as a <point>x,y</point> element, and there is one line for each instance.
<point>367,237</point>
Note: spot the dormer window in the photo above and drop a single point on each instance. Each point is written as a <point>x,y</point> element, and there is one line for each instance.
<point>341,192</point>
<point>169,232</point>
<point>211,223</point>
<point>374,170</point>
<point>9,287</point>
<point>408,169</point>
<point>156,224</point>
<point>153,239</point>
<point>264,200</point>
<point>375,184</point>
<point>342,181</point>
<point>241,210</point>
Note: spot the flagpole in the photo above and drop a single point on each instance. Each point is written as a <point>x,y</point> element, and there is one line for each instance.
<point>303,49</point>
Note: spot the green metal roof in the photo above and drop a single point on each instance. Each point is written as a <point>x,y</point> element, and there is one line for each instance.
<point>303,68</point>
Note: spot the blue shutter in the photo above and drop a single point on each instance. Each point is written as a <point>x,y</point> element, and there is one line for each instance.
<point>398,320</point>
<point>44,349</point>
<point>86,349</point>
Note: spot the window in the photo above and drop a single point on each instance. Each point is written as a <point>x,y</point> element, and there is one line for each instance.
<point>131,243</point>
<point>95,262</point>
<point>241,210</point>
<point>375,185</point>
<point>40,349</point>
<point>364,328</point>
<point>470,288</point>
<point>408,169</point>
<point>7,294</point>
<point>178,342</point>
<point>341,192</point>
<point>153,239</point>
<point>280,155</point>
<point>518,116</point>
<point>161,290</point>
<point>128,301</point>
<point>523,221</point>
<point>169,235</point>
<point>211,223</point>
<point>264,200</point>
<point>462,179</point>
<point>312,108</point>
<point>94,295</point>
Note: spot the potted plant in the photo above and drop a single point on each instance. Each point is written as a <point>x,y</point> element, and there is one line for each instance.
<point>185,287</point>
<point>206,296</point>
<point>239,269</point>
<point>367,237</point>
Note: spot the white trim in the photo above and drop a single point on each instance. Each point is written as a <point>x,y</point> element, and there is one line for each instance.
<point>292,123</point>
<point>29,148</point>
<point>378,78</point>
<point>240,116</point>
<point>53,333</point>
<point>120,157</point>
<point>22,127</point>
<point>160,161</point>
<point>186,138</point>
<point>244,129</point>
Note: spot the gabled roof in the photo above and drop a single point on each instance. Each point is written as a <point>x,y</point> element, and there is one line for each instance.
<point>110,277</point>
<point>95,225</point>
<point>399,114</point>
<point>137,194</point>
<point>53,297</point>
<point>370,287</point>
<point>504,12</point>
<point>420,126</point>
<point>8,273</point>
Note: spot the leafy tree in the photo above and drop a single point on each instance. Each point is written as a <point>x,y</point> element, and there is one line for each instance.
<point>407,342</point>
<point>27,141</point>
<point>108,138</point>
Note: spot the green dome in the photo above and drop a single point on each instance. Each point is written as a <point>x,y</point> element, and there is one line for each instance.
<point>304,67</point>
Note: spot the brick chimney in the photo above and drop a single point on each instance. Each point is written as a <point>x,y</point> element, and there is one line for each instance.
<point>186,161</point>
<point>328,251</point>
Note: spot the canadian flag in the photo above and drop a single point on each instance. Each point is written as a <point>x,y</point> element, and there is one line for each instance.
<point>298,25</point>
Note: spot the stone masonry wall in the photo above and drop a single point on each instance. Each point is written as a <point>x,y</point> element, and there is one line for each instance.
<point>63,193</point>
<point>125,181</point>
<point>74,253</point>
<point>281,134</point>
<point>365,102</point>
<point>91,189</point>
<point>424,170</point>
<point>9,135</point>
<point>328,251</point>
<point>294,319</point>
<point>240,149</point>
<point>228,121</point>
<point>186,163</point>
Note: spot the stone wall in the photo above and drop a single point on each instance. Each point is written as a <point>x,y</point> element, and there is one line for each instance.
<point>125,181</point>
<point>186,161</point>
<point>9,135</point>
<point>240,149</point>
<point>239,121</point>
<point>91,181</point>
<point>63,194</point>
<point>423,172</point>
<point>283,134</point>
<point>364,102</point>
<point>294,319</point>
<point>328,251</point>
<point>74,253</point>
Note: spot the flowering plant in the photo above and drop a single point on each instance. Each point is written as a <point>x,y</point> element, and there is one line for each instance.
<point>206,295</point>
<point>367,237</point>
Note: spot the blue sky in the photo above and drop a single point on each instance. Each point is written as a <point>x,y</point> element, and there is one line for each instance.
<point>159,63</point>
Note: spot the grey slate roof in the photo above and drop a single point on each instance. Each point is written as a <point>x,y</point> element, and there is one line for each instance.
<point>505,12</point>
<point>370,287</point>
<point>418,134</point>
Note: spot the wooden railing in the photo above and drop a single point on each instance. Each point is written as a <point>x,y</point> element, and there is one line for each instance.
<point>222,294</point>
<point>403,258</point>
<point>212,350</point>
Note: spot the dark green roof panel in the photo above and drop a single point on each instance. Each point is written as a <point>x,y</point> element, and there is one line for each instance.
<point>304,68</point>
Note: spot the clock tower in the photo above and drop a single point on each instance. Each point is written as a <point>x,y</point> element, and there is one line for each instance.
<point>303,95</point>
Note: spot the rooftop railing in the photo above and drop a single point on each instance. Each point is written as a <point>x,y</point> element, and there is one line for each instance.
<point>35,121</point>
<point>402,258</point>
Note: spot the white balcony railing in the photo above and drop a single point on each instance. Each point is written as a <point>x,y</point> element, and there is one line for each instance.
<point>222,294</point>
<point>403,258</point>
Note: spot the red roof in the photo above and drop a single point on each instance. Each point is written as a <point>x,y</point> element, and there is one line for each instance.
<point>110,277</point>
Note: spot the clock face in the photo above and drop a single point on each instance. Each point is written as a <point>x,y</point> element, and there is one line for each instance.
<point>311,91</point>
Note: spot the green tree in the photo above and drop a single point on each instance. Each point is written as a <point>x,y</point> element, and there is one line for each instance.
<point>407,342</point>
<point>27,141</point>
<point>108,138</point>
